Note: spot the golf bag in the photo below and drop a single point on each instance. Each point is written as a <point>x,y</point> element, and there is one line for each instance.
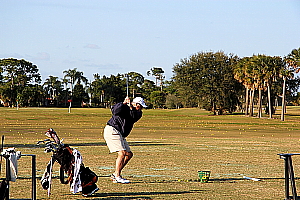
<point>80,178</point>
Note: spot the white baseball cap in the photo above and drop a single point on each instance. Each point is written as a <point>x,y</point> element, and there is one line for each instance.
<point>140,101</point>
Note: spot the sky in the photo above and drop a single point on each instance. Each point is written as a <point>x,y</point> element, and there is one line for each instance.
<point>120,36</point>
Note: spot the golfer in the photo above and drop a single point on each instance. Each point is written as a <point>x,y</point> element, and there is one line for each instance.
<point>125,114</point>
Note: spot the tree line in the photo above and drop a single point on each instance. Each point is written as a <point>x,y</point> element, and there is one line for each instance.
<point>226,83</point>
<point>21,85</point>
<point>213,81</point>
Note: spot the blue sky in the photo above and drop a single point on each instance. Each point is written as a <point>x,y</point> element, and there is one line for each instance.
<point>118,36</point>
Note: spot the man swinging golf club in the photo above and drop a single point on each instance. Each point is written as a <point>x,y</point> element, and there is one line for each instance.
<point>125,114</point>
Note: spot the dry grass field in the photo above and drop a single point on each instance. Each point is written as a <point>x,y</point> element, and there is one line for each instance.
<point>169,147</point>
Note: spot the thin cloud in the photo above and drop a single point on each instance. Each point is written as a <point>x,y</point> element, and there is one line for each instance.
<point>13,55</point>
<point>42,56</point>
<point>92,46</point>
<point>104,66</point>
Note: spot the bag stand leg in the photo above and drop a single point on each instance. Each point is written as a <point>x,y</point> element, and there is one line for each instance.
<point>8,177</point>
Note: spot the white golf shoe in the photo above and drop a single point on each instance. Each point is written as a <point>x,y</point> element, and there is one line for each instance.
<point>119,179</point>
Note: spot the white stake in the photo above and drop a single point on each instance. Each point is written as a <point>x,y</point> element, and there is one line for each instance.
<point>249,178</point>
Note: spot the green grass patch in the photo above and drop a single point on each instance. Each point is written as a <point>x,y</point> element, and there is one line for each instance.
<point>169,147</point>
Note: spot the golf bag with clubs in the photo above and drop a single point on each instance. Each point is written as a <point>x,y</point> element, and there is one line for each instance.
<point>80,178</point>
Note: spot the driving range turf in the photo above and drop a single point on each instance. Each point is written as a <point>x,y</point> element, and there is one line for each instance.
<point>169,146</point>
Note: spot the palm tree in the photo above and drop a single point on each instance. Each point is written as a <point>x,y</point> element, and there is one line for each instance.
<point>275,67</point>
<point>286,73</point>
<point>265,70</point>
<point>53,86</point>
<point>259,72</point>
<point>74,77</point>
<point>157,72</point>
<point>292,64</point>
<point>243,73</point>
<point>239,74</point>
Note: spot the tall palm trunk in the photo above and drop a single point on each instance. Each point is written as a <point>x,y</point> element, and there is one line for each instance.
<point>259,104</point>
<point>251,102</point>
<point>283,99</point>
<point>269,100</point>
<point>247,102</point>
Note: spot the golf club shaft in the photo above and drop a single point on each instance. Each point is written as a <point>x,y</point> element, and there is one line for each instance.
<point>2,144</point>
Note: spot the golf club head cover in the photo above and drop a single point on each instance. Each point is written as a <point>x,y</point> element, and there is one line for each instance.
<point>52,134</point>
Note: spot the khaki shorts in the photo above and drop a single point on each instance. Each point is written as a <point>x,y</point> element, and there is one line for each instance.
<point>114,140</point>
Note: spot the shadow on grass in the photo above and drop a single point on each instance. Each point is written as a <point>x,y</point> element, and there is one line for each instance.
<point>130,144</point>
<point>237,113</point>
<point>168,181</point>
<point>31,146</point>
<point>42,146</point>
<point>293,115</point>
<point>137,195</point>
<point>149,144</point>
<point>240,179</point>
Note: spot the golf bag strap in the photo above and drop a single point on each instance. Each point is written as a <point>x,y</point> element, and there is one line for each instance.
<point>69,171</point>
<point>62,176</point>
<point>69,149</point>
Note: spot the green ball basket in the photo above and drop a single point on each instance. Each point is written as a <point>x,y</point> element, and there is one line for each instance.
<point>204,176</point>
